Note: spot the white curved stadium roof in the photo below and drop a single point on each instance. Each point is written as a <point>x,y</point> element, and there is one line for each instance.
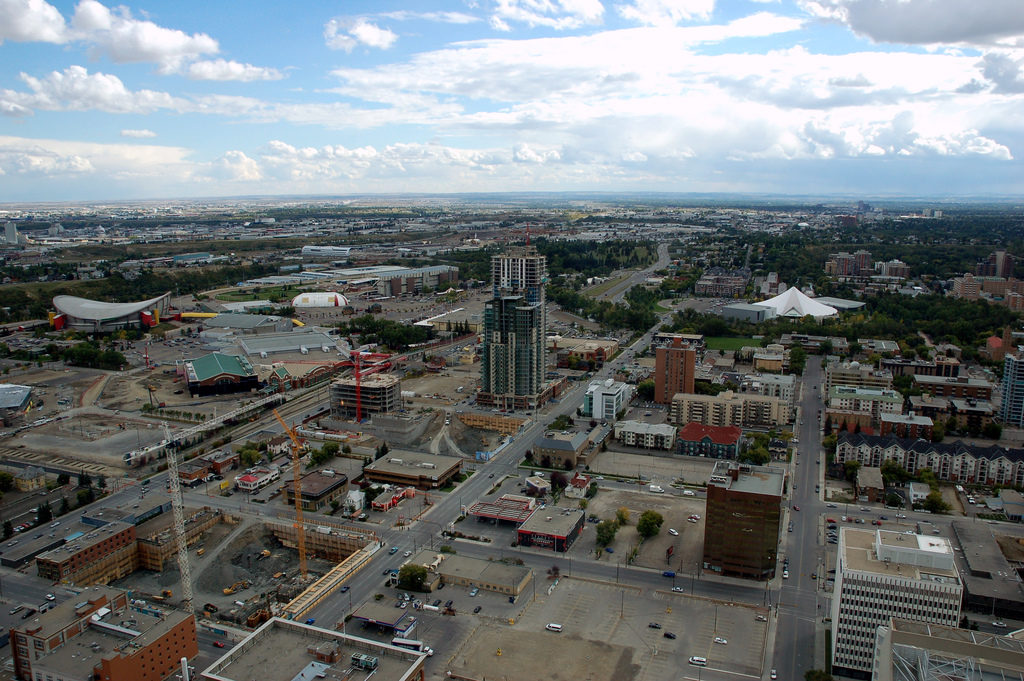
<point>319,299</point>
<point>794,303</point>
<point>83,308</point>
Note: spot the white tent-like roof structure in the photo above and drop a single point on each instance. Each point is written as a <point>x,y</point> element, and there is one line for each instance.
<point>794,303</point>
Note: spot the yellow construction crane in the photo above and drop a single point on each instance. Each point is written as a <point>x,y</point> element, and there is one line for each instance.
<point>300,531</point>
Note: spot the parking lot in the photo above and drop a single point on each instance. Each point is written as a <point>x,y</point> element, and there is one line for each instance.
<point>607,634</point>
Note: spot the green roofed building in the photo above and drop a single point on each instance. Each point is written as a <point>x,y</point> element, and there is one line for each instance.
<point>217,374</point>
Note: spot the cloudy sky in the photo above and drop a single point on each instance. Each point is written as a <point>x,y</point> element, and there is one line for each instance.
<point>184,98</point>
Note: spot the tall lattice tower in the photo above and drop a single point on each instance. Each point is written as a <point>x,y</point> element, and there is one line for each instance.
<point>179,521</point>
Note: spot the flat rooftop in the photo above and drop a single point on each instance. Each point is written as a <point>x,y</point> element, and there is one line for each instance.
<point>475,569</point>
<point>84,541</point>
<point>280,650</point>
<point>858,548</point>
<point>988,572</point>
<point>313,341</point>
<point>748,478</point>
<point>316,483</point>
<point>78,653</point>
<point>58,617</point>
<point>371,381</point>
<point>552,520</point>
<point>413,463</point>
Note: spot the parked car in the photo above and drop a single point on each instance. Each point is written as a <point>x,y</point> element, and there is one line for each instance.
<point>393,550</point>
<point>654,625</point>
<point>720,640</point>
<point>673,532</point>
<point>218,644</point>
<point>669,634</point>
<point>476,609</point>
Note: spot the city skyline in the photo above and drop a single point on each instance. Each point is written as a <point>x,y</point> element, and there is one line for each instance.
<point>105,102</point>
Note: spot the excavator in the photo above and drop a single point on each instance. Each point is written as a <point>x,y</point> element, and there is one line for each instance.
<point>244,584</point>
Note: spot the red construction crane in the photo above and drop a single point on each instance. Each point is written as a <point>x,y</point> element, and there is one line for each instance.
<point>381,362</point>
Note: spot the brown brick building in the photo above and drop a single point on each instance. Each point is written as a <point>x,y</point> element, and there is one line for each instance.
<point>100,635</point>
<point>954,386</point>
<point>100,556</point>
<point>744,517</point>
<point>674,370</point>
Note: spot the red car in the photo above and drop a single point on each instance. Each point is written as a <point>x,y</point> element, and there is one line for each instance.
<point>218,644</point>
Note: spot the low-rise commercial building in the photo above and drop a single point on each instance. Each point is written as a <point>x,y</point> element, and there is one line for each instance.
<point>870,485</point>
<point>882,574</point>
<point>716,442</point>
<point>413,469</point>
<point>605,399</point>
<point>648,435</point>
<point>486,575</point>
<point>221,460</point>
<point>552,528</point>
<point>744,519</point>
<point>287,650</point>
<point>319,489</point>
<point>100,635</point>
<point>256,478</point>
<point>560,449</point>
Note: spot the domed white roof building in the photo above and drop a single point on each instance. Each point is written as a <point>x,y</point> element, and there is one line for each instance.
<point>319,299</point>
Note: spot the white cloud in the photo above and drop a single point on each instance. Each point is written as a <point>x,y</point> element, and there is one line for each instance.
<point>221,69</point>
<point>347,33</point>
<point>1005,71</point>
<point>556,14</point>
<point>126,39</point>
<point>235,166</point>
<point>666,12</point>
<point>138,133</point>
<point>440,17</point>
<point>948,22</point>
<point>76,89</point>
<point>523,153</point>
<point>115,162</point>
<point>30,21</point>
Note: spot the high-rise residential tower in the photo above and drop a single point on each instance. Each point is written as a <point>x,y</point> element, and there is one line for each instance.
<point>515,320</point>
<point>674,370</point>
<point>1011,409</point>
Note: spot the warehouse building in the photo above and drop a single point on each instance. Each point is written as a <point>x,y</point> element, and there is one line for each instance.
<point>98,557</point>
<point>219,374</point>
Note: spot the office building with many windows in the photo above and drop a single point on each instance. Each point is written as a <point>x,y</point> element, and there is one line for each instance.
<point>881,575</point>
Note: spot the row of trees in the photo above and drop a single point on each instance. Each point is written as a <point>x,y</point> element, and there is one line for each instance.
<point>647,525</point>
<point>387,332</point>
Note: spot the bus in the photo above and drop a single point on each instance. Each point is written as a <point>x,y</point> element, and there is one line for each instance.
<point>416,646</point>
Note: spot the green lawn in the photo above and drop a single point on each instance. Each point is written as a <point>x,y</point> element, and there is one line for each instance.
<point>605,286</point>
<point>727,343</point>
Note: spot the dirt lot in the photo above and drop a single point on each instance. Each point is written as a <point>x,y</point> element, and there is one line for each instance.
<point>687,547</point>
<point>232,553</point>
<point>130,392</point>
<point>445,384</point>
<point>1012,548</point>
<point>659,469</point>
<point>107,437</point>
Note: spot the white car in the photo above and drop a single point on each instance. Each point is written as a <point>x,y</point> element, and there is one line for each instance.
<point>775,674</point>
<point>673,532</point>
<point>407,554</point>
<point>678,589</point>
<point>51,597</point>
<point>720,640</point>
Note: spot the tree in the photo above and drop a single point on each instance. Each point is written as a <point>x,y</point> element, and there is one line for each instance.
<point>817,675</point>
<point>934,503</point>
<point>559,481</point>
<point>893,499</point>
<point>8,529</point>
<point>65,507</point>
<point>606,530</point>
<point>592,490</point>
<point>6,481</point>
<point>645,390</point>
<point>554,572</point>
<point>649,523</point>
<point>86,496</point>
<point>63,479</point>
<point>992,431</point>
<point>622,516</point>
<point>249,455</point>
<point>797,360</point>
<point>850,469</point>
<point>412,577</point>
<point>44,512</point>
<point>84,480</point>
<point>101,482</point>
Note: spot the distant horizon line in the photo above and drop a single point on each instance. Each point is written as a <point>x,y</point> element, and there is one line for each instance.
<point>809,198</point>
